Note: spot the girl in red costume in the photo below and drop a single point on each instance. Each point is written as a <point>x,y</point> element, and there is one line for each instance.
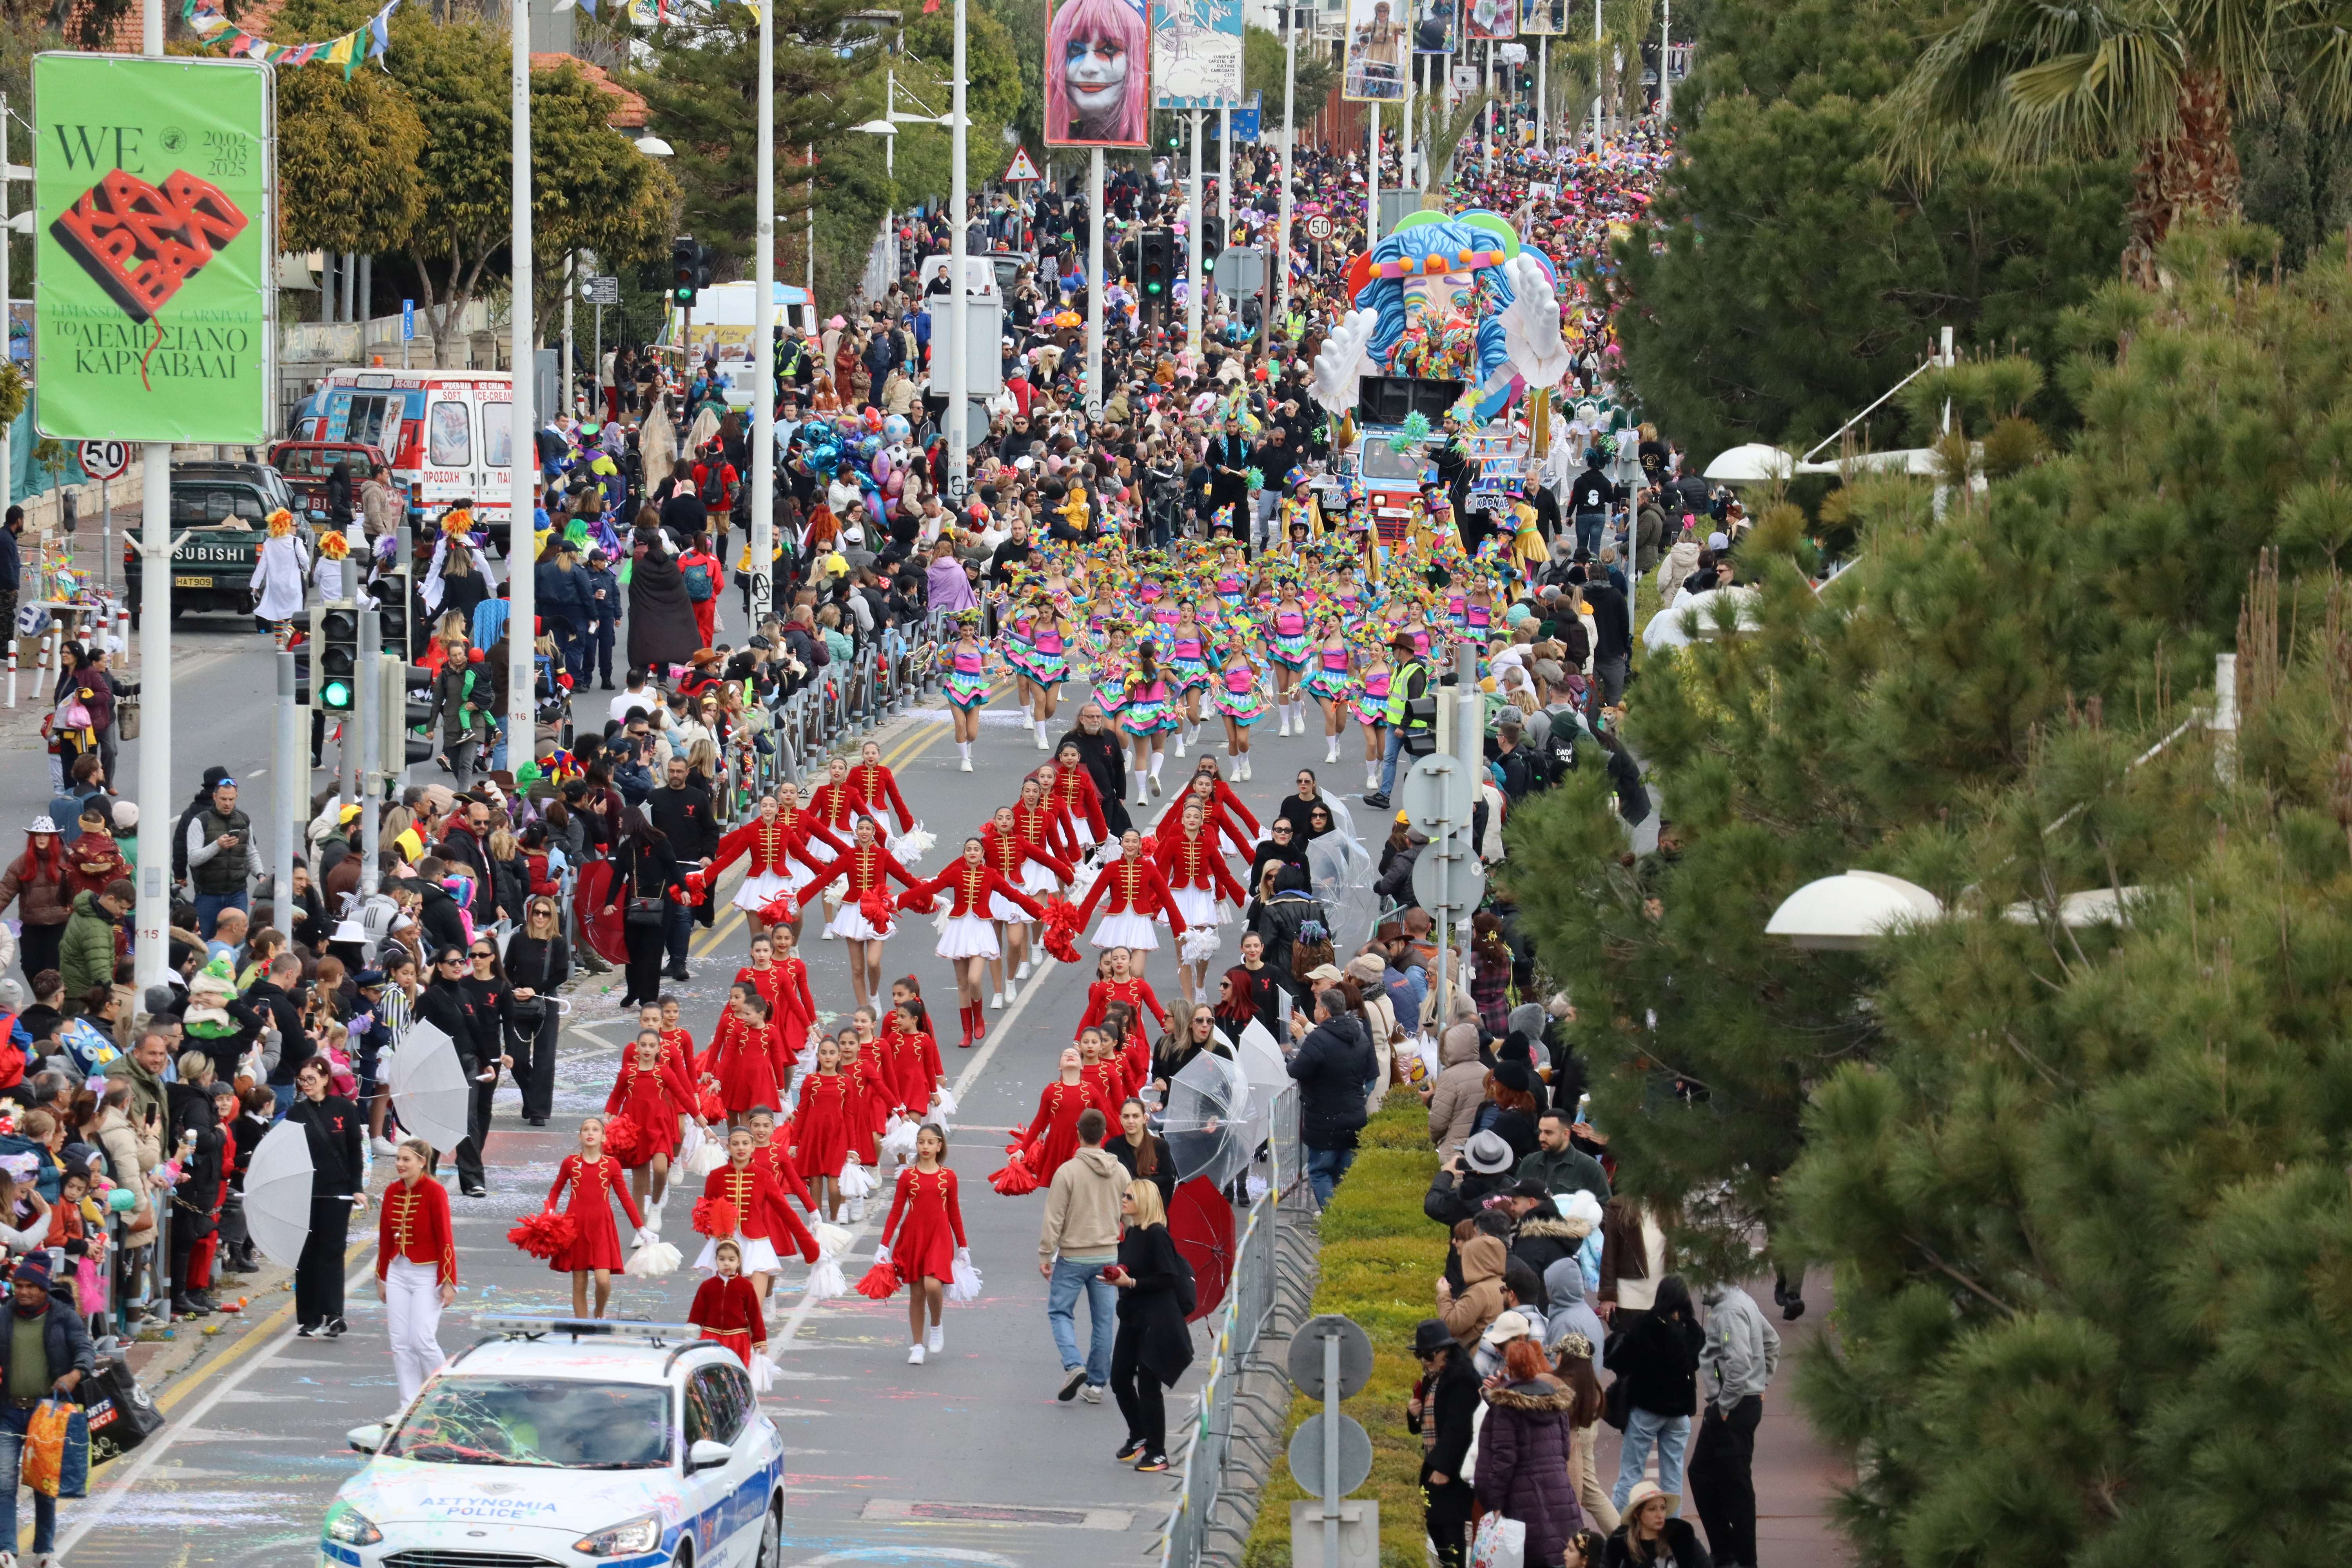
<point>1028,866</point>
<point>918,1066</point>
<point>595,1179</point>
<point>970,940</point>
<point>726,1306</point>
<point>878,787</point>
<point>744,1052</point>
<point>1217,825</point>
<point>761,1213</point>
<point>1071,787</point>
<point>1135,892</point>
<point>1197,877</point>
<point>839,807</point>
<point>1119,983</point>
<point>1052,1135</point>
<point>923,1238</point>
<point>869,868</point>
<point>778,846</point>
<point>652,1091</point>
<point>796,1002</point>
<point>820,1128</point>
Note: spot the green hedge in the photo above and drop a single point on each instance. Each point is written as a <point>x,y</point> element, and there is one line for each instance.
<point>1380,1260</point>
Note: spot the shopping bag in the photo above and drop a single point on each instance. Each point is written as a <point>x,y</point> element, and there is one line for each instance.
<point>122,1416</point>
<point>57,1449</point>
<point>1499,1544</point>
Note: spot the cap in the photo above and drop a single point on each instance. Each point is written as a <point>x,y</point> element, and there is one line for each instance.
<point>1718,540</point>
<point>1506,1328</point>
<point>156,999</point>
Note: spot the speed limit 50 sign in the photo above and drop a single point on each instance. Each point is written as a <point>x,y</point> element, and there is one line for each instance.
<point>104,460</point>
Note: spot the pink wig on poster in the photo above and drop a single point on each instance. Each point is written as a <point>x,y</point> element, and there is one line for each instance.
<point>1097,75</point>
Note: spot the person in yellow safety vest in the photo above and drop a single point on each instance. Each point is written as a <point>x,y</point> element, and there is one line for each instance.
<point>1407,685</point>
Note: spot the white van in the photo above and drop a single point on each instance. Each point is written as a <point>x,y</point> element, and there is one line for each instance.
<point>448,432</point>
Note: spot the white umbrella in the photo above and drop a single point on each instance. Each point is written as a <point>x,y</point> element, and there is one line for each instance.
<point>1753,464</point>
<point>1692,616</point>
<point>277,1194</point>
<point>428,1087</point>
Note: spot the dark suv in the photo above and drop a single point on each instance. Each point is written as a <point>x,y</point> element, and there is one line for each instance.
<point>222,510</point>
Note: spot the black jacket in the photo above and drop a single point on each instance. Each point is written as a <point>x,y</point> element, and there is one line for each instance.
<point>266,1003</point>
<point>437,916</point>
<point>1105,763</point>
<point>1149,1253</point>
<point>1679,1539</point>
<point>64,1337</point>
<point>1657,1360</point>
<point>1331,1067</point>
<point>449,1006</point>
<point>1450,1408</point>
<point>1163,1174</point>
<point>1542,1239</point>
<point>1450,1200</point>
<point>684,816</point>
<point>331,1127</point>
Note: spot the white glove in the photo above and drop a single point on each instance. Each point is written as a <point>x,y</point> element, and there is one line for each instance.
<point>881,1255</point>
<point>1530,324</point>
<point>963,1253</point>
<point>1342,361</point>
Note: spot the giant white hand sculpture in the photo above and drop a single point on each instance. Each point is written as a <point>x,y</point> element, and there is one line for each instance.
<point>1343,362</point>
<point>1531,324</point>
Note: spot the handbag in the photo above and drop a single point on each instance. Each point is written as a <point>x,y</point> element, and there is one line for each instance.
<point>75,715</point>
<point>57,1449</point>
<point>644,912</point>
<point>122,1416</point>
<point>126,717</point>
<point>1499,1544</point>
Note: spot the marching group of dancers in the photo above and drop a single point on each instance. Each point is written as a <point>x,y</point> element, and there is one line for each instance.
<point>786,1116</point>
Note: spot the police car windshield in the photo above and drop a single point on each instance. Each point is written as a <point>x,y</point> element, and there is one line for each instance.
<point>557,1424</point>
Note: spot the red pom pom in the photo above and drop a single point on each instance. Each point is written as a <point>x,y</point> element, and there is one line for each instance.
<point>780,910</point>
<point>621,1137</point>
<point>1061,929</point>
<point>1017,1180</point>
<point>915,903</point>
<point>544,1235</point>
<point>878,1282</point>
<point>715,1218</point>
<point>875,907</point>
<point>712,1108</point>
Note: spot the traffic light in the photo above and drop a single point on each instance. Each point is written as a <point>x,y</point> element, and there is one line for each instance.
<point>406,701</point>
<point>704,259</point>
<point>1212,240</point>
<point>685,270</point>
<point>335,656</point>
<point>392,615</point>
<point>1156,272</point>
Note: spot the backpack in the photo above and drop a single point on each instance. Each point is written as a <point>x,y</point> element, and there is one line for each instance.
<point>714,485</point>
<point>1188,1289</point>
<point>699,585</point>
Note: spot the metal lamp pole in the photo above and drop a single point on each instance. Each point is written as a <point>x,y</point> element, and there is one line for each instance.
<point>522,534</point>
<point>157,806</point>
<point>958,324</point>
<point>1289,149</point>
<point>763,334</point>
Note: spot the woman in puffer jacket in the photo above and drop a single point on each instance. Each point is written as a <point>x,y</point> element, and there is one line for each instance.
<point>1523,1453</point>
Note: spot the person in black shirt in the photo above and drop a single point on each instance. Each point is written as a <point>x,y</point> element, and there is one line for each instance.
<point>1612,641</point>
<point>682,811</point>
<point>1590,496</point>
<point>331,1128</point>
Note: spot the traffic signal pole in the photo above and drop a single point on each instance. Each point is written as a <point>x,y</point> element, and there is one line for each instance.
<point>1193,285</point>
<point>763,334</point>
<point>159,805</point>
<point>292,792</point>
<point>523,535</point>
<point>958,335</point>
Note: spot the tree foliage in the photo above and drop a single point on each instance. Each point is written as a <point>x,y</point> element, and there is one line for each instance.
<point>1785,281</point>
<point>2084,1187</point>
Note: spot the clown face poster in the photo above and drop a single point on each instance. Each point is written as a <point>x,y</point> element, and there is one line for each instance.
<point>1373,71</point>
<point>1196,54</point>
<point>153,191</point>
<point>1098,74</point>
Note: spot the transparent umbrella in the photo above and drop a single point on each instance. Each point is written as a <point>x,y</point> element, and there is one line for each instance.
<point>1262,1065</point>
<point>1341,875</point>
<point>1207,1122</point>
<point>277,1194</point>
<point>428,1087</point>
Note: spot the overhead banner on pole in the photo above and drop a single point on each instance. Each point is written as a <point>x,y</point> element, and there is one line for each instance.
<point>1437,26</point>
<point>1374,70</point>
<point>1196,54</point>
<point>153,185</point>
<point>1542,18</point>
<point>1491,19</point>
<point>1098,74</point>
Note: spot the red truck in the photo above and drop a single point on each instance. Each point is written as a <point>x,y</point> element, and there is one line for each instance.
<point>307,465</point>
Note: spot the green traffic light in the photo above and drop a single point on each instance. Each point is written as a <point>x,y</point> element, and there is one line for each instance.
<point>336,695</point>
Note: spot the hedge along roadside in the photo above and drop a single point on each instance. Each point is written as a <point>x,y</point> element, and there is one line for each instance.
<point>1380,1261</point>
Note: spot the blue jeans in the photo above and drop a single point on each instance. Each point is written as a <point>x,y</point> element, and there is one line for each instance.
<point>1671,1434</point>
<point>210,905</point>
<point>1324,1167</point>
<point>13,1423</point>
<point>1589,525</point>
<point>1388,754</point>
<point>1062,1316</point>
<point>678,930</point>
<point>283,1093</point>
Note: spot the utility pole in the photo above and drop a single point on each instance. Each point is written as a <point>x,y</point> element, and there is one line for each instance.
<point>522,535</point>
<point>158,804</point>
<point>292,794</point>
<point>763,336</point>
<point>1095,282</point>
<point>566,399</point>
<point>1372,179</point>
<point>958,339</point>
<point>1665,61</point>
<point>1193,288</point>
<point>1225,175</point>
<point>1289,145</point>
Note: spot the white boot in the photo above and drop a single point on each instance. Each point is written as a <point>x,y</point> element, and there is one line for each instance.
<point>1331,751</point>
<point>856,1210</point>
<point>1241,767</point>
<point>964,754</point>
<point>1040,734</point>
<point>1179,742</point>
<point>1022,973</point>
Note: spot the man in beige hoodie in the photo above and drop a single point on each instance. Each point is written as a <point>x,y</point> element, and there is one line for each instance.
<point>1078,1241</point>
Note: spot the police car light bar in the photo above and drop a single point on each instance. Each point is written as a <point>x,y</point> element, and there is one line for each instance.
<point>637,1329</point>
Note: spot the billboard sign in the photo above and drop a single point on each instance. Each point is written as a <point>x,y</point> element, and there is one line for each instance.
<point>1491,19</point>
<point>1373,71</point>
<point>1196,54</point>
<point>153,184</point>
<point>1098,74</point>
<point>1436,27</point>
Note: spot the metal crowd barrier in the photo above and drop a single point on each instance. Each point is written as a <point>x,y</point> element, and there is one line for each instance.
<point>1235,1428</point>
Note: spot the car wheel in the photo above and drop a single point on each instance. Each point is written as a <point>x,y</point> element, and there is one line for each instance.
<point>771,1529</point>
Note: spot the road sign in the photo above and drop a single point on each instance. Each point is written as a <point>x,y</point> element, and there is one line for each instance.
<point>1318,228</point>
<point>1307,1450</point>
<point>1022,169</point>
<point>104,460</point>
<point>1240,271</point>
<point>1438,791</point>
<point>1307,1362</point>
<point>1466,78</point>
<point>408,320</point>
<point>601,291</point>
<point>1447,876</point>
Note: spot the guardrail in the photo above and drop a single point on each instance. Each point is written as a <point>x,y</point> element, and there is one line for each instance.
<point>1269,1289</point>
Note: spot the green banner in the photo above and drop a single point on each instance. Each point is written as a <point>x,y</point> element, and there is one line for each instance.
<point>153,184</point>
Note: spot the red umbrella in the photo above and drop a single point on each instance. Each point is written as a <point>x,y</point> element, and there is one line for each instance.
<point>605,927</point>
<point>1201,1223</point>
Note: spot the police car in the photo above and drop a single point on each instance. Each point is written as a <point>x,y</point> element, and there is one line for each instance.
<point>567,1442</point>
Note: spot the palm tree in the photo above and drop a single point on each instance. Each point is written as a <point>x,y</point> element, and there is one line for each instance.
<point>2160,81</point>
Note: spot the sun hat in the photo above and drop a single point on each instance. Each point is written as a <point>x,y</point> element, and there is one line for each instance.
<point>1486,1153</point>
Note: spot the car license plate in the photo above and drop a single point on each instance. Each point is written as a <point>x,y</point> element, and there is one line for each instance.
<point>191,581</point>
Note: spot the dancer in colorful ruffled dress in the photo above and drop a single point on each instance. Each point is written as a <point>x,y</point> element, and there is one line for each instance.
<point>967,685</point>
<point>1147,717</point>
<point>1330,682</point>
<point>1241,702</point>
<point>1286,648</point>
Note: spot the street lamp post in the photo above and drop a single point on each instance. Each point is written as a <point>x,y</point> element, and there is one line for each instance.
<point>1289,144</point>
<point>958,323</point>
<point>522,535</point>
<point>763,336</point>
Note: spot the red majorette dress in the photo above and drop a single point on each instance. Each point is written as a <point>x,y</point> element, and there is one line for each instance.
<point>652,1098</point>
<point>727,1309</point>
<point>1107,1081</point>
<point>925,1226</point>
<point>1075,793</point>
<point>791,1008</point>
<point>873,1097</point>
<point>1047,824</point>
<point>1196,874</point>
<point>761,1212</point>
<point>916,1062</point>
<point>839,805</point>
<point>1135,892</point>
<point>779,856</point>
<point>774,1159</point>
<point>1025,864</point>
<point>869,870</point>
<point>744,1061</point>
<point>1051,1136</point>
<point>1136,994</point>
<point>878,787</point>
<point>821,1126</point>
<point>978,889</point>
<point>594,1183</point>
